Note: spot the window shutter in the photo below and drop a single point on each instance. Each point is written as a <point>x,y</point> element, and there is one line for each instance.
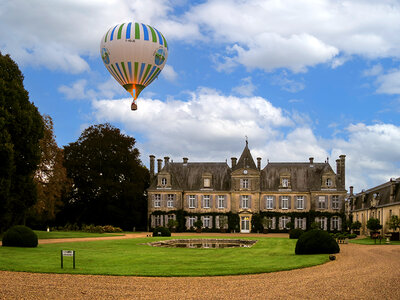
<point>152,203</point>
<point>202,220</point>
<point>217,222</point>
<point>202,201</point>
<point>264,203</point>
<point>250,201</point>
<point>240,201</point>
<point>165,220</point>
<point>340,224</point>
<point>326,202</point>
<point>187,223</point>
<point>196,201</point>
<point>289,202</point>
<point>305,202</point>
<point>173,200</point>
<point>280,205</point>
<point>241,183</point>
<point>280,222</point>
<point>211,201</point>
<point>326,224</point>
<point>211,222</point>
<point>152,220</point>
<point>273,201</point>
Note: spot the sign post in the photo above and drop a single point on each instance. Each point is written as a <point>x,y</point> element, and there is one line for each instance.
<point>67,253</point>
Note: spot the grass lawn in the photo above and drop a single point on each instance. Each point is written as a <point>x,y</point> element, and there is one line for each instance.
<point>70,234</point>
<point>131,257</point>
<point>369,241</point>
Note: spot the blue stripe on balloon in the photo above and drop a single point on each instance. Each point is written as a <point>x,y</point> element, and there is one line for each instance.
<point>141,71</point>
<point>159,36</point>
<point>155,76</point>
<point>130,71</point>
<point>145,32</point>
<point>114,75</point>
<point>128,30</point>
<point>119,70</point>
<point>112,33</point>
<point>151,73</point>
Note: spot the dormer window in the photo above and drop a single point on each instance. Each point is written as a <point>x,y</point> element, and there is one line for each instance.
<point>164,181</point>
<point>285,182</point>
<point>207,182</point>
<point>245,183</point>
<point>328,182</point>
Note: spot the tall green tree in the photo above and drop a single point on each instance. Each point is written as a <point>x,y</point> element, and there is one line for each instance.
<point>109,180</point>
<point>21,128</point>
<point>50,178</point>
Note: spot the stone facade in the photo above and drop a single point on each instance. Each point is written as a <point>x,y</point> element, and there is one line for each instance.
<point>242,196</point>
<point>379,202</point>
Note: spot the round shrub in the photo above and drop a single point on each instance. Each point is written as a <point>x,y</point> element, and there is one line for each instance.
<point>316,242</point>
<point>20,236</point>
<point>161,231</point>
<point>295,233</point>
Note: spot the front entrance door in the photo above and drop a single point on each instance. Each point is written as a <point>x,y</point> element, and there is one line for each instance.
<point>245,224</point>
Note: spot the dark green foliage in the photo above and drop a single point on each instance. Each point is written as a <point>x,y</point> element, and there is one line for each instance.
<point>161,231</point>
<point>233,222</point>
<point>295,233</point>
<point>316,242</point>
<point>100,229</point>
<point>21,128</point>
<point>109,180</point>
<point>356,225</point>
<point>373,224</point>
<point>20,236</point>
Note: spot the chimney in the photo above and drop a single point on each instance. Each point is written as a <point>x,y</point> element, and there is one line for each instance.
<point>343,170</point>
<point>185,160</point>
<point>166,160</point>
<point>351,190</point>
<point>159,165</point>
<point>338,167</point>
<point>152,157</point>
<point>311,162</point>
<point>392,189</point>
<point>259,163</point>
<point>234,159</point>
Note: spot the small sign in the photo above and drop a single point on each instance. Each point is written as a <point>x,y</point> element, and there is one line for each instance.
<point>67,253</point>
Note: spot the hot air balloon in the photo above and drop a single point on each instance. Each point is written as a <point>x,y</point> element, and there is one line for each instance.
<point>134,54</point>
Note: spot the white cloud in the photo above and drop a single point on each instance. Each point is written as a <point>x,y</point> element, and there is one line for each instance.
<point>246,89</point>
<point>389,83</point>
<point>375,70</point>
<point>169,73</point>
<point>287,84</point>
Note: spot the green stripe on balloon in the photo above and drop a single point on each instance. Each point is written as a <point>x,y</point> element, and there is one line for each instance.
<point>120,31</point>
<point>145,73</point>
<point>152,76</point>
<point>136,71</point>
<point>137,31</point>
<point>115,71</point>
<point>114,75</point>
<point>153,34</point>
<point>123,67</point>
<point>105,38</point>
<point>165,41</point>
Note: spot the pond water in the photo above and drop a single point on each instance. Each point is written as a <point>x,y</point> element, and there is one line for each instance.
<point>204,243</point>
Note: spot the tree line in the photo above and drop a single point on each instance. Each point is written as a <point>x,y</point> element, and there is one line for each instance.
<point>98,179</point>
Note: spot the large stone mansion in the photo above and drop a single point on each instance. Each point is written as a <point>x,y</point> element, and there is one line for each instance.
<point>244,197</point>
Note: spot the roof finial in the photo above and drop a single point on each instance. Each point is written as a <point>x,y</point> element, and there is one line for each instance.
<point>247,142</point>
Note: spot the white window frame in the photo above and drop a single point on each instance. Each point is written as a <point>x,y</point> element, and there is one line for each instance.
<point>322,222</point>
<point>157,200</point>
<point>285,182</point>
<point>170,200</point>
<point>299,223</point>
<point>285,200</point>
<point>269,202</point>
<point>328,182</point>
<point>284,221</point>
<point>192,220</point>
<point>335,202</point>
<point>221,200</point>
<point>157,220</point>
<point>245,200</point>
<point>322,202</point>
<point>270,221</point>
<point>206,222</point>
<point>300,199</point>
<point>163,181</point>
<point>170,217</point>
<point>335,223</point>
<point>192,201</point>
<point>207,182</point>
<point>245,183</point>
<point>206,201</point>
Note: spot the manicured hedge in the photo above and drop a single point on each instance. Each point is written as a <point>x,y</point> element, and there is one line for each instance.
<point>20,236</point>
<point>316,242</point>
<point>295,233</point>
<point>161,231</point>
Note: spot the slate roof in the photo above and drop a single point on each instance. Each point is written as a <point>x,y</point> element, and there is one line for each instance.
<point>383,198</point>
<point>303,177</point>
<point>189,176</point>
<point>245,160</point>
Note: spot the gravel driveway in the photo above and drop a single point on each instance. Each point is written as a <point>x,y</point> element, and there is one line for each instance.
<point>359,272</point>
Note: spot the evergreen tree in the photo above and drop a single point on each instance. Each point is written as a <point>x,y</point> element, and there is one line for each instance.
<point>109,180</point>
<point>21,128</point>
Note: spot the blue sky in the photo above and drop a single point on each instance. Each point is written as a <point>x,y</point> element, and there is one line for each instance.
<point>300,78</point>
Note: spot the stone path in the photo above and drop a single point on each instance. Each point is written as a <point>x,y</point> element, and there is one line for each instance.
<point>359,272</point>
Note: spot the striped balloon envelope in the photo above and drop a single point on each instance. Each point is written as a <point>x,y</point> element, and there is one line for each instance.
<point>134,54</point>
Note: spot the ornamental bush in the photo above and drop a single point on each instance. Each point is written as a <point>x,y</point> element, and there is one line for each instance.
<point>316,242</point>
<point>20,236</point>
<point>295,233</point>
<point>161,231</point>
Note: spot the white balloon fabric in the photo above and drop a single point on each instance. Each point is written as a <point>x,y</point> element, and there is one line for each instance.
<point>134,54</point>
